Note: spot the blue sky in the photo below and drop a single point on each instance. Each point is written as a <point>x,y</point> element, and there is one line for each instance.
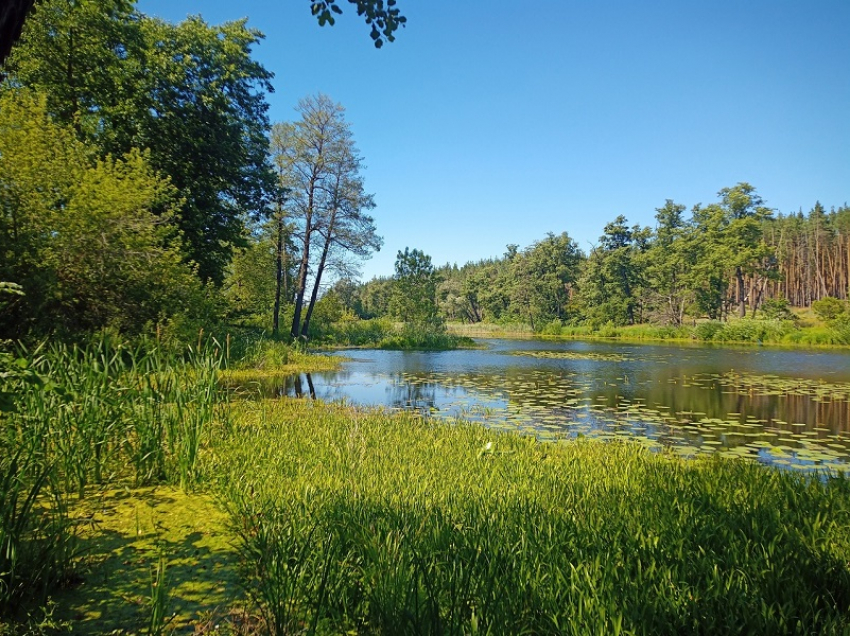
<point>494,122</point>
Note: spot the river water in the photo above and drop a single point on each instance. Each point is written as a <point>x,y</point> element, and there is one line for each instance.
<point>784,407</point>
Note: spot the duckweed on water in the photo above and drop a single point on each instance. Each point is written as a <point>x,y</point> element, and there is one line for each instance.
<point>572,355</point>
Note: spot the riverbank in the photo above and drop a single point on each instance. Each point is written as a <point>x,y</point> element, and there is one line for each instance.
<point>299,515</point>
<point>804,334</point>
<point>348,519</point>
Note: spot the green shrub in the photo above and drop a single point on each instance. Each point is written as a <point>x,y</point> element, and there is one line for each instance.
<point>828,308</point>
<point>552,328</point>
<point>777,309</point>
<point>706,331</point>
<point>608,330</point>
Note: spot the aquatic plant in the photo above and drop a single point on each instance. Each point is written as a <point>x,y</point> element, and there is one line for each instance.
<point>416,526</point>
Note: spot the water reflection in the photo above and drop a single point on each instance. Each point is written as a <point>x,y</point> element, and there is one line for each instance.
<point>780,407</point>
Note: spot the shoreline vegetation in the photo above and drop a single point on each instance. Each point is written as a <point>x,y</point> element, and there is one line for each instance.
<point>803,331</point>
<point>139,496</point>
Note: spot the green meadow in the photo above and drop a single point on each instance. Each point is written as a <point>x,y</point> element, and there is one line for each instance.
<point>141,496</point>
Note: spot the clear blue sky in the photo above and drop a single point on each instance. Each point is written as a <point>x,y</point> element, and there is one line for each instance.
<point>494,122</point>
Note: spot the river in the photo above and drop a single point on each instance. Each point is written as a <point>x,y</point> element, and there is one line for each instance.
<point>783,407</point>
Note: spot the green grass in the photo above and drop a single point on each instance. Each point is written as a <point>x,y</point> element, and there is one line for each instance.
<point>348,520</point>
<point>352,520</point>
<point>100,413</point>
<point>386,334</point>
<point>734,331</point>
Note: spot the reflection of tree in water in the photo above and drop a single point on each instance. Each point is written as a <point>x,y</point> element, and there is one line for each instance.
<point>417,395</point>
<point>297,385</point>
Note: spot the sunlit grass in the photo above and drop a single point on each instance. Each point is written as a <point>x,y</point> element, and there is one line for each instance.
<point>351,520</point>
<point>397,523</point>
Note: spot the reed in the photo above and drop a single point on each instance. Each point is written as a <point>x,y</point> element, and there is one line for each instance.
<point>158,601</point>
<point>101,411</point>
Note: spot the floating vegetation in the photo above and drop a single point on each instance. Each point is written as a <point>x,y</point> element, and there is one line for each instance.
<point>773,385</point>
<point>568,405</point>
<point>573,355</point>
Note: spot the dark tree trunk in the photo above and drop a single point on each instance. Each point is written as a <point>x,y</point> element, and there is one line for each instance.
<point>13,14</point>
<point>742,296</point>
<point>301,287</point>
<point>315,294</point>
<point>280,274</point>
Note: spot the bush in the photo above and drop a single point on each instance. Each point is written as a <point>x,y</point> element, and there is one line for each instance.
<point>828,308</point>
<point>707,330</point>
<point>423,337</point>
<point>552,328</point>
<point>777,309</point>
<point>841,327</point>
<point>608,330</point>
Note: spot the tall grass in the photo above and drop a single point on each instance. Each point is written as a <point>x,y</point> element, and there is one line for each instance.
<point>363,522</point>
<point>35,533</point>
<point>100,412</point>
<point>386,334</point>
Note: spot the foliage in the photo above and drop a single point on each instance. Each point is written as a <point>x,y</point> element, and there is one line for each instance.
<point>249,286</point>
<point>828,308</point>
<point>544,275</point>
<point>383,19</point>
<point>190,94</point>
<point>777,309</point>
<point>414,295</point>
<point>91,242</point>
<point>614,275</point>
<point>319,171</point>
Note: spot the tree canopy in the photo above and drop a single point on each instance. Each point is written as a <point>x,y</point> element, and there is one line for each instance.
<point>384,19</point>
<point>190,94</point>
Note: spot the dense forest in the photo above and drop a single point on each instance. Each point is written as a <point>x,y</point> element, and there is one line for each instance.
<point>144,189</point>
<point>735,257</point>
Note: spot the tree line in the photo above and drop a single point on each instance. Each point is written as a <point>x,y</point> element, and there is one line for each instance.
<point>733,257</point>
<point>143,186</point>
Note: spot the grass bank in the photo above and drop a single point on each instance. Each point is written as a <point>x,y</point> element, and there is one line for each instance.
<point>294,516</point>
<point>359,521</point>
<point>733,331</point>
<point>387,334</point>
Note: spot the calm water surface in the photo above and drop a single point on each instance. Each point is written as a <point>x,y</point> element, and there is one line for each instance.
<point>783,407</point>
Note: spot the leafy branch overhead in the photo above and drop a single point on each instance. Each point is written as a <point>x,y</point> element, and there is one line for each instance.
<point>383,17</point>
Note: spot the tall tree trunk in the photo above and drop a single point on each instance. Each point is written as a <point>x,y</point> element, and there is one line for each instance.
<point>742,302</point>
<point>280,270</point>
<point>319,271</point>
<point>304,267</point>
<point>301,286</point>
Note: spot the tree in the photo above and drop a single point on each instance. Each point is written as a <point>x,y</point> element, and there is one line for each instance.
<point>751,256</point>
<point>383,19</point>
<point>669,260</point>
<point>544,276</point>
<point>79,234</point>
<point>414,297</point>
<point>319,168</point>
<point>614,274</point>
<point>190,94</point>
<point>346,227</point>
